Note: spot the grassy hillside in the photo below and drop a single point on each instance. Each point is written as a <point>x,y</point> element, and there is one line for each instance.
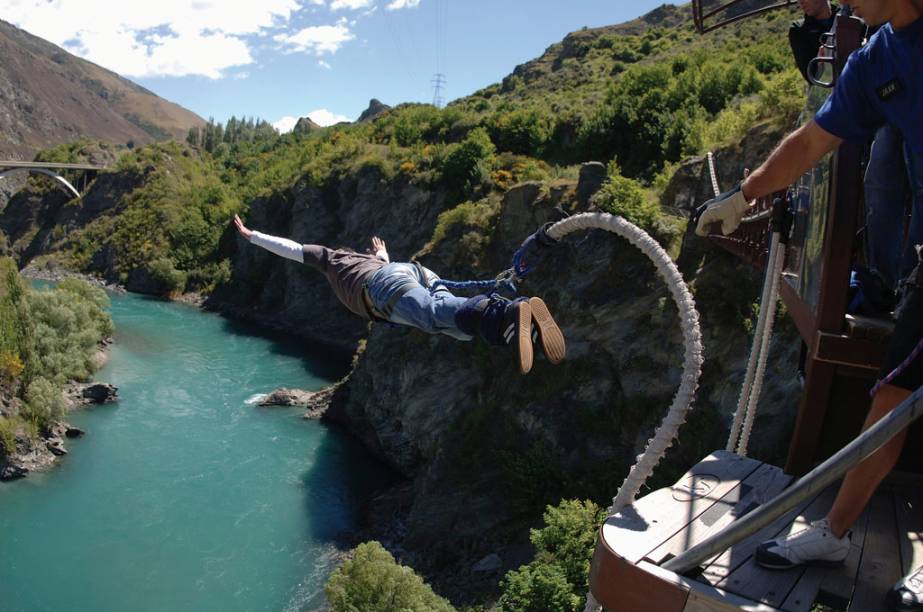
<point>53,96</point>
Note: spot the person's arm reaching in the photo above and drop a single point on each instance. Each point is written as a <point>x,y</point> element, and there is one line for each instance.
<point>799,152</point>
<point>279,246</point>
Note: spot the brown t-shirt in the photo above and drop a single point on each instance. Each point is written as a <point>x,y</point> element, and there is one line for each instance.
<point>347,272</point>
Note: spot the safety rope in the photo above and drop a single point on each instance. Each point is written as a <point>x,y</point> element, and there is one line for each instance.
<point>692,356</point>
<point>713,174</point>
<point>745,414</point>
<point>899,369</point>
<point>506,280</point>
<point>774,271</point>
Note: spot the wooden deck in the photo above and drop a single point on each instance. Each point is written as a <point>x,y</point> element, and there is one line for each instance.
<point>625,576</point>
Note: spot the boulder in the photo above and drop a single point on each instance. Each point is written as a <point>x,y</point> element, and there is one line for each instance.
<point>12,472</point>
<point>100,393</point>
<point>56,446</point>
<point>592,177</point>
<point>73,432</point>
<point>287,397</point>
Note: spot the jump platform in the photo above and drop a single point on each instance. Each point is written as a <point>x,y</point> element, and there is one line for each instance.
<point>887,542</point>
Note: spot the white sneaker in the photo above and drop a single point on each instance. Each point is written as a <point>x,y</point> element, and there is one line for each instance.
<point>814,545</point>
<point>907,594</point>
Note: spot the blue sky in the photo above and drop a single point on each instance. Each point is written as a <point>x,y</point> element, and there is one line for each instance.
<point>278,59</point>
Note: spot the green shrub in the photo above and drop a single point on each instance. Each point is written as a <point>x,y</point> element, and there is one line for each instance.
<point>626,198</point>
<point>557,578</point>
<point>371,581</point>
<point>521,131</point>
<point>44,402</point>
<point>7,435</point>
<point>464,162</point>
<point>164,271</point>
<point>569,536</point>
<point>538,587</point>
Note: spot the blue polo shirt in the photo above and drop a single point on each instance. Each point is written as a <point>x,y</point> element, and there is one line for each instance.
<point>881,83</point>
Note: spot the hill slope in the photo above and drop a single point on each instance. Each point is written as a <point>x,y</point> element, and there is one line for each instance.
<point>48,97</point>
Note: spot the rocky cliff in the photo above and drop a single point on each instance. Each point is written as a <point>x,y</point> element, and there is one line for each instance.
<point>485,448</point>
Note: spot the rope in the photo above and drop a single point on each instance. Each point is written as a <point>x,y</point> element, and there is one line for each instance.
<point>776,274</point>
<point>689,322</point>
<point>714,176</point>
<point>897,371</point>
<point>692,356</point>
<point>507,279</point>
<point>763,321</point>
<point>491,286</point>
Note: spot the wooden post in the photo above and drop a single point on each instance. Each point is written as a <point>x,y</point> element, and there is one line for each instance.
<point>845,182</point>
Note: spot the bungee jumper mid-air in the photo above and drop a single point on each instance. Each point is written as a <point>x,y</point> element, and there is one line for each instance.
<point>406,293</point>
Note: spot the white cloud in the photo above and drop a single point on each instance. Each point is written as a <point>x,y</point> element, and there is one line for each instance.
<point>162,38</point>
<point>317,39</point>
<point>324,117</point>
<point>285,124</point>
<point>324,65</point>
<point>352,5</point>
<point>397,5</point>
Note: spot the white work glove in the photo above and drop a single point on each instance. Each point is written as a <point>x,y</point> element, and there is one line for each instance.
<point>728,208</point>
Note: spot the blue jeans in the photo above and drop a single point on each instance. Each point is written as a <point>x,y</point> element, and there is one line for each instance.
<point>433,313</point>
<point>892,167</point>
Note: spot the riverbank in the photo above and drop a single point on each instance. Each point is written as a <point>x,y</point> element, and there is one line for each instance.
<point>40,450</point>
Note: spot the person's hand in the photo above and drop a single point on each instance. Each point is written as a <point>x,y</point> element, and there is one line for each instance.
<point>242,229</point>
<point>728,209</point>
<point>378,244</point>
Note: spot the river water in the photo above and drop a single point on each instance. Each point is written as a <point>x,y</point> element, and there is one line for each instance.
<point>185,495</point>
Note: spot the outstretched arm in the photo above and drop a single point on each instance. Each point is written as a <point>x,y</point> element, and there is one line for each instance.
<point>282,247</point>
<point>379,249</point>
<point>241,228</point>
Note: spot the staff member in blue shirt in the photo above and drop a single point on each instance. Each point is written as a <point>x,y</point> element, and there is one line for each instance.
<point>882,83</point>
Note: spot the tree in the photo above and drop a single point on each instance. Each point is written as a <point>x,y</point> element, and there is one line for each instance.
<point>373,582</point>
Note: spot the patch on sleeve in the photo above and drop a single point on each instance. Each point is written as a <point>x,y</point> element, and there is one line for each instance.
<point>889,90</point>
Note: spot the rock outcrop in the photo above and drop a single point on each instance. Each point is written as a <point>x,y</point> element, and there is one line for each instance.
<point>305,125</point>
<point>375,110</point>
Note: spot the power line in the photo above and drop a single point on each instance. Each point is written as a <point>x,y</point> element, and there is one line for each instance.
<point>438,82</point>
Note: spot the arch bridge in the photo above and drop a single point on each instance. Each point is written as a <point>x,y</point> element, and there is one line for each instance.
<point>51,169</point>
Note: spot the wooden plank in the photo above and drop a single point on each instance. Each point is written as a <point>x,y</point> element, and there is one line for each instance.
<point>638,529</point>
<point>908,502</point>
<point>704,597</point>
<point>832,587</point>
<point>843,350</point>
<point>719,567</point>
<point>759,487</point>
<point>771,587</point>
<point>880,567</point>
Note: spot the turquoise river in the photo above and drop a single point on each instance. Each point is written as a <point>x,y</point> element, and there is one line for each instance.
<point>185,495</point>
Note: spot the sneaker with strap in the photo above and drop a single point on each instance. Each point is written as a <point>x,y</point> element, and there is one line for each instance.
<point>500,322</point>
<point>546,332</point>
<point>814,545</point>
<point>907,594</point>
